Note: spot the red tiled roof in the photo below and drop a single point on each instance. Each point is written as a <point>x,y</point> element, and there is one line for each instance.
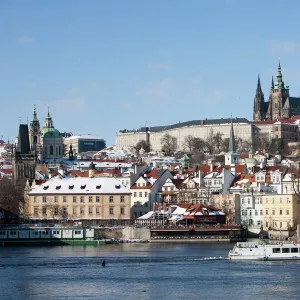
<point>147,187</point>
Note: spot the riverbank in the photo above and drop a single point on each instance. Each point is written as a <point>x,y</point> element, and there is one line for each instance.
<point>52,243</point>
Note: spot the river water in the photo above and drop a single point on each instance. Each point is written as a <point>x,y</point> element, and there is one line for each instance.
<point>142,271</point>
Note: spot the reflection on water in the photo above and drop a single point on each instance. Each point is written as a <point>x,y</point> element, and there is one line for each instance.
<point>142,271</point>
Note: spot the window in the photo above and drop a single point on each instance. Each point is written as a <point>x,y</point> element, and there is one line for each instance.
<point>267,200</point>
<point>35,199</point>
<point>51,150</point>
<point>146,204</point>
<point>229,202</point>
<point>44,199</point>
<point>122,199</point>
<point>82,210</point>
<point>267,212</point>
<point>111,198</point>
<point>276,250</point>
<point>74,199</point>
<point>285,250</point>
<point>111,210</point>
<point>55,211</point>
<point>74,210</point>
<point>280,212</point>
<point>280,200</point>
<point>65,210</point>
<point>250,212</point>
<point>140,194</point>
<point>82,199</point>
<point>146,194</point>
<point>77,232</point>
<point>243,202</point>
<point>256,212</point>
<point>134,194</point>
<point>122,210</point>
<point>44,210</point>
<point>273,212</point>
<point>261,212</point>
<point>98,199</point>
<point>267,224</point>
<point>64,199</point>
<point>56,199</point>
<point>258,223</point>
<point>90,210</point>
<point>248,201</point>
<point>90,199</point>
<point>280,224</point>
<point>287,212</point>
<point>35,211</point>
<point>97,210</point>
<point>141,214</point>
<point>294,250</point>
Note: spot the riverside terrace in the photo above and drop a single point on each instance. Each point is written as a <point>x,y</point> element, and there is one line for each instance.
<point>217,233</point>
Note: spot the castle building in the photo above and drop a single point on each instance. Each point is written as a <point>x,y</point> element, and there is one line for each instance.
<point>280,104</point>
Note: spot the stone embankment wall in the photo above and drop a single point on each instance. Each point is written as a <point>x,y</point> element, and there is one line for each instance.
<point>130,233</point>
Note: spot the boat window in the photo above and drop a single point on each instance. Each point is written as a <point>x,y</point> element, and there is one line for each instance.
<point>285,250</point>
<point>294,250</point>
<point>276,250</point>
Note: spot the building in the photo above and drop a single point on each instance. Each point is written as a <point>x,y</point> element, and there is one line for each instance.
<point>280,211</point>
<point>93,199</point>
<point>47,142</point>
<point>23,158</point>
<point>280,104</point>
<point>52,141</point>
<point>127,139</point>
<point>146,191</point>
<point>84,143</point>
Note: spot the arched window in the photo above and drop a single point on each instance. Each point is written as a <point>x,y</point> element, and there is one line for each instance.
<point>59,150</point>
<point>35,139</point>
<point>51,150</point>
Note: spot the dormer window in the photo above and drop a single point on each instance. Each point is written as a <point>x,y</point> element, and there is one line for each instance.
<point>98,186</point>
<point>71,187</point>
<point>46,187</point>
<point>118,186</point>
<point>83,186</point>
<point>58,187</point>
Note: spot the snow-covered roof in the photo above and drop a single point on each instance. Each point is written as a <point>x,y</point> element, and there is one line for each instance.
<point>148,215</point>
<point>83,137</point>
<point>81,185</point>
<point>98,165</point>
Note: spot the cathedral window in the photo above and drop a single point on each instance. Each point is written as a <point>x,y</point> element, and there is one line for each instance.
<point>51,150</point>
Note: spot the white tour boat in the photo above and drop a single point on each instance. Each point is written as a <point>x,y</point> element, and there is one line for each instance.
<point>262,251</point>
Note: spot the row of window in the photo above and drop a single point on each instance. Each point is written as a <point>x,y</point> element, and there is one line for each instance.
<point>82,199</point>
<point>64,211</point>
<point>245,212</point>
<point>281,212</point>
<point>139,204</point>
<point>140,194</point>
<point>274,224</point>
<point>281,200</point>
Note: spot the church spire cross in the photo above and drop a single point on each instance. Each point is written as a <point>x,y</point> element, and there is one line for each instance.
<point>231,139</point>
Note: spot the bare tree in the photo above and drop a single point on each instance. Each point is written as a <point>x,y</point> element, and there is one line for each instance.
<point>11,199</point>
<point>169,144</point>
<point>217,141</point>
<point>143,144</point>
<point>189,143</point>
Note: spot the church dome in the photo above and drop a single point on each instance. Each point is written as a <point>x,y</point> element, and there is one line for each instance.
<point>50,133</point>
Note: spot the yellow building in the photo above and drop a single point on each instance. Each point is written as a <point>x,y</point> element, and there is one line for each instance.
<point>80,199</point>
<point>280,211</point>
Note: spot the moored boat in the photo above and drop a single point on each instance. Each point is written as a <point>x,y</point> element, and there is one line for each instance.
<point>263,251</point>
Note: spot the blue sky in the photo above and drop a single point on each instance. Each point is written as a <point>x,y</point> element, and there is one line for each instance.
<point>103,66</point>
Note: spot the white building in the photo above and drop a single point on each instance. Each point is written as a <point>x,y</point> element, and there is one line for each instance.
<point>127,139</point>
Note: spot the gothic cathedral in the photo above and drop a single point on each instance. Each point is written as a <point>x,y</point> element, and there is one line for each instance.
<point>280,104</point>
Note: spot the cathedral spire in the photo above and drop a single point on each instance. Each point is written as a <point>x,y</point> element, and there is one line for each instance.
<point>279,82</point>
<point>231,139</point>
<point>272,83</point>
<point>35,120</point>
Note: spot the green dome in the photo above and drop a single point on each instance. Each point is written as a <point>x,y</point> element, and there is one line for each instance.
<point>50,133</point>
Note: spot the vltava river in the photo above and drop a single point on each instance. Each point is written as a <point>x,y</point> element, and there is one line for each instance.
<point>142,271</point>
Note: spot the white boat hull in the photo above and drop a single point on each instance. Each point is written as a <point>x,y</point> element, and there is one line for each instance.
<point>264,252</point>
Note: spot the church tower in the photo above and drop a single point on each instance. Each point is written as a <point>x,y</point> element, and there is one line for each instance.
<point>259,101</point>
<point>232,157</point>
<point>279,105</point>
<point>23,159</point>
<point>35,135</point>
